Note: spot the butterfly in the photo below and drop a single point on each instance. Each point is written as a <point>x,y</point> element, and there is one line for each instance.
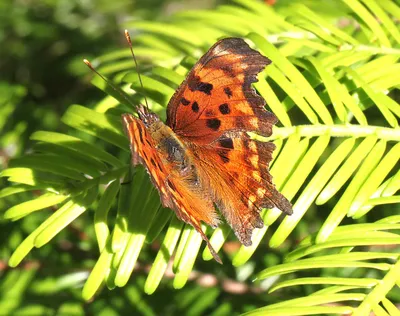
<point>203,157</point>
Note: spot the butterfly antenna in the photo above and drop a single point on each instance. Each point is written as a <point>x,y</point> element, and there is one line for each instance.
<point>128,39</point>
<point>89,64</point>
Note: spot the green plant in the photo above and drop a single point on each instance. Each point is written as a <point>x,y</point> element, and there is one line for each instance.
<point>333,89</point>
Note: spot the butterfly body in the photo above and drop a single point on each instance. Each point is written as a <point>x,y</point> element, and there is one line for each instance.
<point>202,156</point>
<point>173,153</point>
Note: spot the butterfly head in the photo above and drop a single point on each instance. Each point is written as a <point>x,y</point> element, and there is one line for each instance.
<point>147,117</point>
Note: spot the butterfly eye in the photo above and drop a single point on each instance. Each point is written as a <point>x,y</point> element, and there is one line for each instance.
<point>147,117</point>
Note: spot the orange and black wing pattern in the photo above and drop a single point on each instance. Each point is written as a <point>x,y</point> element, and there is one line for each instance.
<point>185,195</point>
<point>242,185</point>
<point>143,151</point>
<point>217,95</point>
<point>210,114</point>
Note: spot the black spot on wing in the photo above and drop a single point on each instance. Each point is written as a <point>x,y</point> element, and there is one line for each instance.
<point>228,92</point>
<point>226,143</point>
<point>224,108</point>
<point>195,107</point>
<point>153,162</point>
<point>214,124</point>
<point>185,101</point>
<point>195,84</point>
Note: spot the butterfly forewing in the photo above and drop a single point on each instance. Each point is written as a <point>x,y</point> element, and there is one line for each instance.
<point>183,194</point>
<point>242,186</point>
<point>217,95</point>
<point>143,151</point>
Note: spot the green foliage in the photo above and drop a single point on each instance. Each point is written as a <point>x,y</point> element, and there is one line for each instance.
<point>333,85</point>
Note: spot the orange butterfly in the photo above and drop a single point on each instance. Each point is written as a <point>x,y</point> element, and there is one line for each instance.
<point>202,156</point>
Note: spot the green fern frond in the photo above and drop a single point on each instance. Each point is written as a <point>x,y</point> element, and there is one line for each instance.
<point>327,85</point>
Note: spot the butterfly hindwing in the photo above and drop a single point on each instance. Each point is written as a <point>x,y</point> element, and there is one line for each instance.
<point>193,205</point>
<point>242,187</point>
